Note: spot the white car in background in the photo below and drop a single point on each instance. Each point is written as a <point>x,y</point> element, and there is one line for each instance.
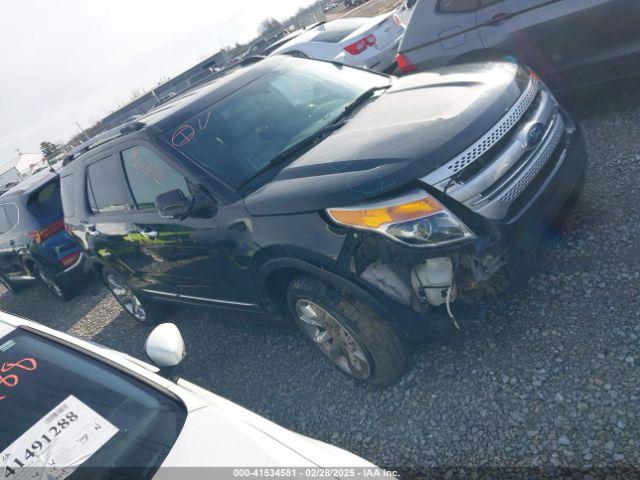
<point>361,42</point>
<point>71,408</point>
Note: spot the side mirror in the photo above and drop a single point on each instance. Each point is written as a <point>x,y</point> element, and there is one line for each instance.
<point>173,204</point>
<point>165,348</point>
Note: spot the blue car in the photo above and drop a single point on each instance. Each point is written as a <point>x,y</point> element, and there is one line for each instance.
<point>34,245</point>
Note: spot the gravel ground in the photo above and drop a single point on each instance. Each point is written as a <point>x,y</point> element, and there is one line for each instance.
<point>548,379</point>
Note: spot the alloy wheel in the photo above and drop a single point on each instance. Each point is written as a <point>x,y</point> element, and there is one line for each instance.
<point>50,284</point>
<point>333,339</point>
<point>126,297</point>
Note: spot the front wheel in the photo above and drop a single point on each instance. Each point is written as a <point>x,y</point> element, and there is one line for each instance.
<point>349,334</point>
<point>141,310</point>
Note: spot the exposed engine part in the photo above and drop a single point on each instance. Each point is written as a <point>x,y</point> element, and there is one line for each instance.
<point>432,279</point>
<point>485,267</point>
<point>390,279</point>
<point>455,322</point>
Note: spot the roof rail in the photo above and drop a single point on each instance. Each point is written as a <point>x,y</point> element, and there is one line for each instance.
<point>124,129</point>
<point>131,127</point>
<point>251,60</point>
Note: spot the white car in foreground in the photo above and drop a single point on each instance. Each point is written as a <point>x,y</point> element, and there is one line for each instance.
<point>361,42</point>
<point>73,409</point>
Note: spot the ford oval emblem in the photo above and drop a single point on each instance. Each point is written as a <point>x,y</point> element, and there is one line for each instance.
<point>534,134</point>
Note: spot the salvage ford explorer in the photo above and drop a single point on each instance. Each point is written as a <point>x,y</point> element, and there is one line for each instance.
<point>365,207</point>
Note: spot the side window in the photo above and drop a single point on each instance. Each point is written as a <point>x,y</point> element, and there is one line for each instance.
<point>486,3</point>
<point>5,224</point>
<point>149,176</point>
<point>457,6</point>
<point>106,188</point>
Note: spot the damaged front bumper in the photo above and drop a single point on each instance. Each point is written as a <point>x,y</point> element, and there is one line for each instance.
<point>510,217</point>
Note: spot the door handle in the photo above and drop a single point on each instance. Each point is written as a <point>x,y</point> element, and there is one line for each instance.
<point>149,234</point>
<point>499,18</point>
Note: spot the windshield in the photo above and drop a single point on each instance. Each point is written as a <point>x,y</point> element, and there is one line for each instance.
<point>60,408</point>
<point>238,136</point>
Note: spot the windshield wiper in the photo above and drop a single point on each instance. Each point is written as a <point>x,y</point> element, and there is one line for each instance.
<point>297,147</point>
<point>362,98</point>
<point>312,140</point>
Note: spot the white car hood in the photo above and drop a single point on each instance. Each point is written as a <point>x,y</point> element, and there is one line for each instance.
<point>223,434</point>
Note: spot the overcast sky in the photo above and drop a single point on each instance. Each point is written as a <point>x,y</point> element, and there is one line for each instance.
<point>75,60</point>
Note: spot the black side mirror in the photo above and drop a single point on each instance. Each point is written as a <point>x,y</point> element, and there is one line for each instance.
<point>174,204</point>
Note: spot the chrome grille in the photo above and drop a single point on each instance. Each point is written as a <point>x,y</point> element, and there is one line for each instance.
<point>489,139</point>
<point>496,133</point>
<point>536,165</point>
<point>497,182</point>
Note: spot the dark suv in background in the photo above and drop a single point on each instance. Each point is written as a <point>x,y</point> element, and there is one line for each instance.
<point>365,207</point>
<point>34,245</point>
<point>569,43</point>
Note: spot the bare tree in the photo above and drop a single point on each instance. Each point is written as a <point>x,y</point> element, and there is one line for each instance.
<point>269,25</point>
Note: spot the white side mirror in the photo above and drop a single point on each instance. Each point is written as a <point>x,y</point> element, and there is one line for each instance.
<point>165,346</point>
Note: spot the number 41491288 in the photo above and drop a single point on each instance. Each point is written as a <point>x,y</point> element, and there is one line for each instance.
<point>40,444</point>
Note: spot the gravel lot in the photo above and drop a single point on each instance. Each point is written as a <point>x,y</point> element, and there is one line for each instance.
<point>549,378</point>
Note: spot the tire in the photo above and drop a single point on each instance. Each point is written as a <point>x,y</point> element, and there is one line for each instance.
<point>58,289</point>
<point>349,334</point>
<point>140,309</point>
<point>11,287</point>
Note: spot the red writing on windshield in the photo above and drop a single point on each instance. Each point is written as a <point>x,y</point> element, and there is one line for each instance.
<point>26,364</point>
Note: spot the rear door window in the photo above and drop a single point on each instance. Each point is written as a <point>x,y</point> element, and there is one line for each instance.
<point>106,188</point>
<point>149,176</point>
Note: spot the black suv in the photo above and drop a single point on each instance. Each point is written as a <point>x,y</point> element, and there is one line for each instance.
<point>33,242</point>
<point>364,206</point>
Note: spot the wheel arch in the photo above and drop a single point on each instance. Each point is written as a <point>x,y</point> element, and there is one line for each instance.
<point>275,275</point>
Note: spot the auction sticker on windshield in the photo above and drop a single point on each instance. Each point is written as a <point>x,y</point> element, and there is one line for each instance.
<point>58,443</point>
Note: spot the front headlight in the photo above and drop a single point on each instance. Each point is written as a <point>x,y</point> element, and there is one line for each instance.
<point>415,218</point>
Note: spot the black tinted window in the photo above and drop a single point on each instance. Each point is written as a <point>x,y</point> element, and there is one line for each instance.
<point>106,188</point>
<point>149,176</point>
<point>67,190</point>
<point>5,224</point>
<point>452,6</point>
<point>45,203</point>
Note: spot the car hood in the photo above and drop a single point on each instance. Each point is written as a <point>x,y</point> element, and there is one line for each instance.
<point>224,434</point>
<point>420,123</point>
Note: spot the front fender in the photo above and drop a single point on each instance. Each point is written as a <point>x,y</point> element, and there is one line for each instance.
<point>405,321</point>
